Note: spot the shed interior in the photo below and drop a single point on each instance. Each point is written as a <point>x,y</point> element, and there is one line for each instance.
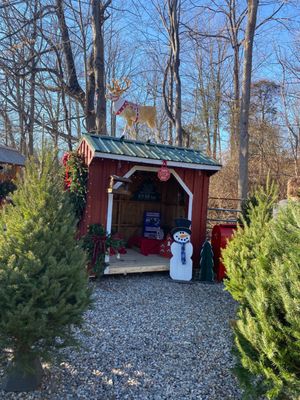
<point>148,193</point>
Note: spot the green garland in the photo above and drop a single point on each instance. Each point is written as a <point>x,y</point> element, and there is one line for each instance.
<point>76,175</point>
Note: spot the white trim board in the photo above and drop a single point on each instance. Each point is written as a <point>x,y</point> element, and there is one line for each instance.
<point>158,162</point>
<point>151,169</point>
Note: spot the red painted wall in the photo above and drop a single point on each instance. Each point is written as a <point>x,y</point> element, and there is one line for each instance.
<point>97,198</point>
<point>198,183</point>
<point>99,174</point>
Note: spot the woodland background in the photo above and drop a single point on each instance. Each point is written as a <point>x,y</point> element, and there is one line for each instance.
<point>184,56</point>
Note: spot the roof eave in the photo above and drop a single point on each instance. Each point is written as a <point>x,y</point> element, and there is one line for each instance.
<point>152,161</point>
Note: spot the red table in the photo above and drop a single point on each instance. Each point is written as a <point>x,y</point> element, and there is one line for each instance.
<point>146,245</point>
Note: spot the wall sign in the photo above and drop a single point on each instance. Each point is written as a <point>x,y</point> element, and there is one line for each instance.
<point>147,192</point>
<point>164,172</point>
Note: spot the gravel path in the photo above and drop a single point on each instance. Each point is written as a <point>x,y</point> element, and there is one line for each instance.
<point>149,338</point>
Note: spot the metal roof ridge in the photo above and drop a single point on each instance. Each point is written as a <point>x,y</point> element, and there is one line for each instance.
<point>3,146</point>
<point>168,146</point>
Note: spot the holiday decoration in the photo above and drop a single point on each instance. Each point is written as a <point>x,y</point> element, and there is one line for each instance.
<point>98,245</point>
<point>165,247</point>
<point>181,267</point>
<point>164,173</point>
<point>133,113</point>
<point>43,282</point>
<point>206,263</point>
<point>76,180</point>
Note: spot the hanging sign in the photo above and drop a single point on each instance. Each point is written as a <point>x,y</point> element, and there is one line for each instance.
<point>164,172</point>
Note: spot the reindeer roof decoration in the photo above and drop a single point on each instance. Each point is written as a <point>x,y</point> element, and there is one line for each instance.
<point>131,112</point>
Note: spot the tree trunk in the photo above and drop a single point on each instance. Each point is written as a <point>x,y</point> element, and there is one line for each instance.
<point>234,139</point>
<point>170,104</point>
<point>90,96</point>
<point>73,84</point>
<point>20,107</point>
<point>174,19</point>
<point>32,82</point>
<point>171,24</point>
<point>9,137</point>
<point>113,121</point>
<point>245,100</point>
<point>168,95</point>
<point>98,19</point>
<point>234,26</point>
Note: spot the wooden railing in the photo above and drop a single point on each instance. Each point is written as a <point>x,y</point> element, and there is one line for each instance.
<point>222,210</point>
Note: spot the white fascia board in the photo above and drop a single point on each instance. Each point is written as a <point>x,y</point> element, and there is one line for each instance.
<point>157,162</point>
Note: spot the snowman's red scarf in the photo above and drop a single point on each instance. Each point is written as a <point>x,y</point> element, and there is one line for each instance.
<point>134,106</point>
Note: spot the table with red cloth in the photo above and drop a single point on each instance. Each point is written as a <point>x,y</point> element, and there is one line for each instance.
<point>146,245</point>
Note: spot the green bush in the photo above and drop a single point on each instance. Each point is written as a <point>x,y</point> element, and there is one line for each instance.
<point>244,247</point>
<point>267,332</point>
<point>43,281</point>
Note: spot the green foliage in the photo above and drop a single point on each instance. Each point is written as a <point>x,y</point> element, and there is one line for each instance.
<point>43,281</point>
<point>97,243</point>
<point>267,333</point>
<point>247,205</point>
<point>244,247</point>
<point>76,175</point>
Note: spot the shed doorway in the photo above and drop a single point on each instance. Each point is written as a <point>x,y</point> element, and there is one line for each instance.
<point>148,196</point>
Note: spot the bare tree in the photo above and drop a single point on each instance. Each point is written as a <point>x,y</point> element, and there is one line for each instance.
<point>209,87</point>
<point>95,90</point>
<point>290,110</point>
<point>170,16</point>
<point>245,100</point>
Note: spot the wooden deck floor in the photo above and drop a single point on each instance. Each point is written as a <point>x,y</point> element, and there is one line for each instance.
<point>134,262</point>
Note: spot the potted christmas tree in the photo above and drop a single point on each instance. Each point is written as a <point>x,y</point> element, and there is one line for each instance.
<point>43,281</point>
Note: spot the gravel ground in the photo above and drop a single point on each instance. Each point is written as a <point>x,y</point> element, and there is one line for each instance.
<point>149,338</point>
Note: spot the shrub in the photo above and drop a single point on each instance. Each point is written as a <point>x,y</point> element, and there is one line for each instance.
<point>244,247</point>
<point>43,281</point>
<point>267,332</point>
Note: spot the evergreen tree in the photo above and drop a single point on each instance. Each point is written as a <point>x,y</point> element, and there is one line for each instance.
<point>244,247</point>
<point>43,281</point>
<point>267,332</point>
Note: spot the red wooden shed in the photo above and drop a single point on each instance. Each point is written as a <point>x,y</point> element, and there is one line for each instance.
<point>185,194</point>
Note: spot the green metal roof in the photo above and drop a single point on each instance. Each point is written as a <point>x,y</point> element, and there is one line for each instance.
<point>131,149</point>
<point>8,155</point>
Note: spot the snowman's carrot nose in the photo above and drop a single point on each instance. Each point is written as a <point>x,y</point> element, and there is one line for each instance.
<point>183,235</point>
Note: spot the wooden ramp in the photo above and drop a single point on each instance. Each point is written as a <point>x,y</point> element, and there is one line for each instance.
<point>134,262</point>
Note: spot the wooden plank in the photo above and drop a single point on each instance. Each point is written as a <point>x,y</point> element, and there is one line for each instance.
<point>135,269</point>
<point>120,179</point>
<point>135,262</point>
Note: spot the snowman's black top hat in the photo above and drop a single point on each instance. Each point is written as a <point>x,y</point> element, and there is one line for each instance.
<point>182,224</point>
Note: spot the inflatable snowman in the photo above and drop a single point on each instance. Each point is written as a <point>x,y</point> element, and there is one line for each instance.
<point>181,266</point>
